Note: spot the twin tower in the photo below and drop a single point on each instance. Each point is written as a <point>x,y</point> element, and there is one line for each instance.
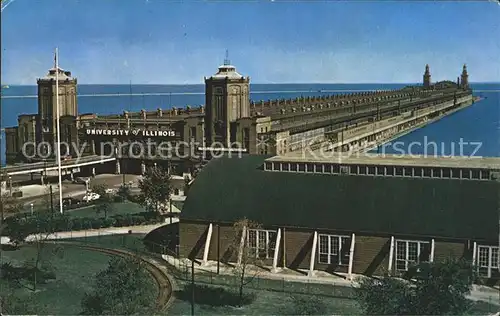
<point>462,81</point>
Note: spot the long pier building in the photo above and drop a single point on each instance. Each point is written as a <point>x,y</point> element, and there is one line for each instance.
<point>229,119</point>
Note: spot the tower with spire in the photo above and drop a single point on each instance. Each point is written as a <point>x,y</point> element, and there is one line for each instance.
<point>464,78</point>
<point>427,78</point>
<point>47,104</point>
<point>227,100</point>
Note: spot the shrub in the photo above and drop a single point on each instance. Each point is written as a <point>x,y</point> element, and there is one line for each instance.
<point>213,296</point>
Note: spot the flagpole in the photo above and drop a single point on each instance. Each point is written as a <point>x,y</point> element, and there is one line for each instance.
<point>58,152</point>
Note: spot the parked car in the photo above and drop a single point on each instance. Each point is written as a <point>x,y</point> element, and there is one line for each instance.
<point>81,180</point>
<point>111,191</point>
<point>91,196</point>
<point>70,201</point>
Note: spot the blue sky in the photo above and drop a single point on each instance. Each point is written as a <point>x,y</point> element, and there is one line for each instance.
<point>178,42</point>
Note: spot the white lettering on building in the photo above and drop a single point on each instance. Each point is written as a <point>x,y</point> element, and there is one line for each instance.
<point>124,132</point>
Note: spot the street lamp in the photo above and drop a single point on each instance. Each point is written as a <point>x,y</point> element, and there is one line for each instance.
<point>31,206</point>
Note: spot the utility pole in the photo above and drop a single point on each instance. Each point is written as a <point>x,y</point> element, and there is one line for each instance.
<point>192,286</point>
<point>52,198</point>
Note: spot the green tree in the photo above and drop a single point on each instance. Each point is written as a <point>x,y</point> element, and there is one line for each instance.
<point>105,202</point>
<point>123,192</point>
<point>155,188</point>
<point>124,288</point>
<point>36,230</point>
<point>437,288</point>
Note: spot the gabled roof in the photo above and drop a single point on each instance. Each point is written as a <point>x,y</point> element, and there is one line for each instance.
<point>228,189</point>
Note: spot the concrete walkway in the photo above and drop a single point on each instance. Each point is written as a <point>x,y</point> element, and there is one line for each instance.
<point>143,229</point>
<point>478,293</point>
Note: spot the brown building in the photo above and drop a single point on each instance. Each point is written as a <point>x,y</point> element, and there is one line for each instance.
<point>362,216</point>
<point>178,138</point>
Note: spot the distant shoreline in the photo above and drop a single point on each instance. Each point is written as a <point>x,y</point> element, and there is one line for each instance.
<point>254,83</point>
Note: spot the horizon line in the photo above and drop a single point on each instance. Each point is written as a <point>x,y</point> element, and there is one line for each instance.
<point>261,83</point>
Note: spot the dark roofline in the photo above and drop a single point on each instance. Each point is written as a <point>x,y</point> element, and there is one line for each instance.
<point>228,189</point>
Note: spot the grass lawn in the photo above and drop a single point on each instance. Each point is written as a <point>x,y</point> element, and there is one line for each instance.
<point>267,303</point>
<point>272,296</point>
<point>118,209</point>
<point>74,271</point>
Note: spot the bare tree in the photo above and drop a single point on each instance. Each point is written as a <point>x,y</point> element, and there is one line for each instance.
<point>247,254</point>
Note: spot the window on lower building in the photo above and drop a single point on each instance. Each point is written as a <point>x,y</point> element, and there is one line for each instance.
<point>389,170</point>
<point>328,168</point>
<point>475,175</point>
<point>285,166</point>
<point>261,243</point>
<point>362,170</point>
<point>417,172</point>
<point>427,172</point>
<point>399,171</point>
<point>446,173</point>
<point>302,167</point>
<point>371,170</point>
<point>380,171</point>
<point>334,249</point>
<point>455,173</point>
<point>336,169</point>
<point>485,175</point>
<point>410,252</point>
<point>436,172</point>
<point>318,168</point>
<point>487,260</point>
<point>407,171</point>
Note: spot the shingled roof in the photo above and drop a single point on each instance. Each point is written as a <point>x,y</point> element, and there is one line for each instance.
<point>229,189</point>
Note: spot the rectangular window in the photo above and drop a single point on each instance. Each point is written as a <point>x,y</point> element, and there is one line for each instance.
<point>336,169</point>
<point>328,168</point>
<point>269,166</point>
<point>407,171</point>
<point>487,260</point>
<point>436,172</point>
<point>399,171</point>
<point>380,171</point>
<point>261,243</point>
<point>371,170</point>
<point>427,172</point>
<point>466,173</point>
<point>362,169</point>
<point>334,249</point>
<point>485,175</point>
<point>318,168</point>
<point>417,172</point>
<point>455,173</point>
<point>302,167</point>
<point>353,169</point>
<point>285,166</point>
<point>409,253</point>
<point>475,174</point>
<point>446,173</point>
<point>390,170</point>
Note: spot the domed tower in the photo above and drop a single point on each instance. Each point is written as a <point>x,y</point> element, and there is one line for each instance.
<point>47,102</point>
<point>226,100</point>
<point>427,78</point>
<point>464,78</point>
